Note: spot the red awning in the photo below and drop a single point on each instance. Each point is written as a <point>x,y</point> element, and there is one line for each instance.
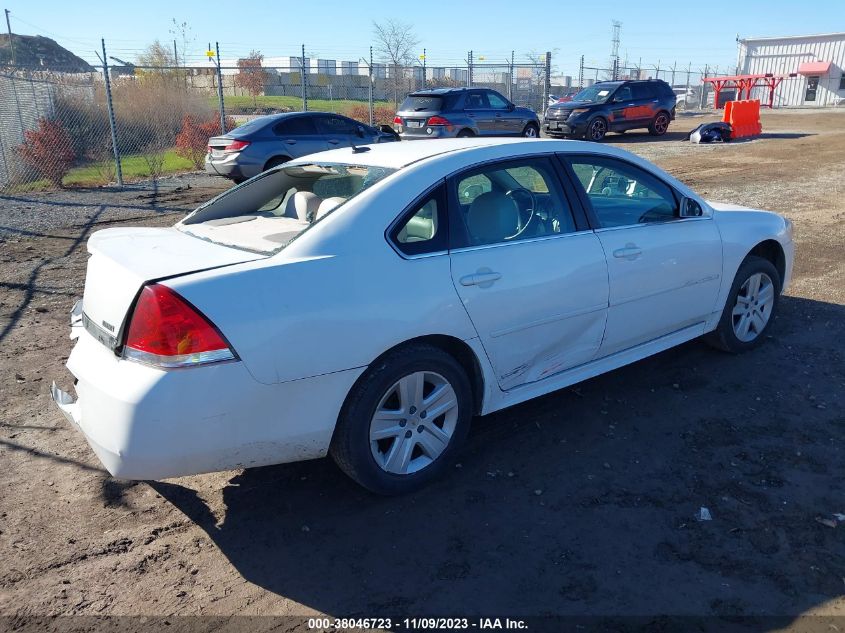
<point>813,68</point>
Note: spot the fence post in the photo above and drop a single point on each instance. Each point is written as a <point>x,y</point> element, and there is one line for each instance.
<point>469,70</point>
<point>547,82</point>
<point>220,90</point>
<point>372,79</point>
<point>424,84</point>
<point>304,80</point>
<point>112,126</point>
<point>510,79</point>
<point>704,87</point>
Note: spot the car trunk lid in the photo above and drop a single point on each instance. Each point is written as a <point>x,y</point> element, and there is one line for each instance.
<point>124,259</point>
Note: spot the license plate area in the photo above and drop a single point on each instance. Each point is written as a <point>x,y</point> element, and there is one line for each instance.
<point>414,123</point>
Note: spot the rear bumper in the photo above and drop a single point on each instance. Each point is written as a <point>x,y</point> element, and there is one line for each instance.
<point>146,423</point>
<point>437,131</point>
<point>228,167</point>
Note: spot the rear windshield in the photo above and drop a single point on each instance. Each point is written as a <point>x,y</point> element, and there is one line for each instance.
<point>269,211</point>
<point>252,125</point>
<point>422,103</point>
<point>595,94</point>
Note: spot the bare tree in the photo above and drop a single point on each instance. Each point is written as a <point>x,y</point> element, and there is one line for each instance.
<point>182,31</point>
<point>156,54</point>
<point>395,44</point>
<point>250,75</point>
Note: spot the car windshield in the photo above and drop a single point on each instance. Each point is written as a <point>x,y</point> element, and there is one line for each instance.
<point>268,212</point>
<point>422,103</point>
<point>595,94</point>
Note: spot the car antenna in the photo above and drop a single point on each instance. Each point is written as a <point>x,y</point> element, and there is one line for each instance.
<point>359,149</point>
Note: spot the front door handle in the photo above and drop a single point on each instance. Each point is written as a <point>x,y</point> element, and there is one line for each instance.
<point>334,141</point>
<point>630,252</point>
<point>483,279</point>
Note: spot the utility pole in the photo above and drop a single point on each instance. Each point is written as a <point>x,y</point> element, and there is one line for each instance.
<point>510,79</point>
<point>175,54</point>
<point>424,76</point>
<point>220,91</point>
<point>614,49</point>
<point>11,41</point>
<point>581,74</point>
<point>673,73</point>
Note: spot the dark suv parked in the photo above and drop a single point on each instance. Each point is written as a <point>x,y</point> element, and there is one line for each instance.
<point>459,112</point>
<point>613,106</point>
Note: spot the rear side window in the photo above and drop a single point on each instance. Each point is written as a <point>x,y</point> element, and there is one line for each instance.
<point>476,100</point>
<point>335,125</point>
<point>296,126</point>
<point>422,103</point>
<point>423,228</point>
<point>643,91</point>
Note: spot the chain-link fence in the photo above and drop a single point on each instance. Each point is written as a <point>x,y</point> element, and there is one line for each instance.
<point>128,122</point>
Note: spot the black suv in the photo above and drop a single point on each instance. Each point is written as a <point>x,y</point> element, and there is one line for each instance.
<point>613,106</point>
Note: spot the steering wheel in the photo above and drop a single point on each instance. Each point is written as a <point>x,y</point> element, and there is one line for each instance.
<point>514,194</point>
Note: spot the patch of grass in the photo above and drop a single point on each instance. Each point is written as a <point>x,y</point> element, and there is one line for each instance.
<point>134,168</point>
<point>244,104</point>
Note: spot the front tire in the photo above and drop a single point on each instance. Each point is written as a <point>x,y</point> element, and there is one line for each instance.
<point>596,130</point>
<point>750,308</point>
<point>404,420</point>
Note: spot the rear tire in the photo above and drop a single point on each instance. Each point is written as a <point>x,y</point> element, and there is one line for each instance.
<point>275,162</point>
<point>531,131</point>
<point>750,308</point>
<point>660,124</point>
<point>385,438</point>
<point>465,134</point>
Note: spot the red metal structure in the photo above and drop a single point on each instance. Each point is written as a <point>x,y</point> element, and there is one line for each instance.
<point>745,83</point>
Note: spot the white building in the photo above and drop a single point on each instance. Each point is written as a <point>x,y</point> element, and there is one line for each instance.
<point>817,61</point>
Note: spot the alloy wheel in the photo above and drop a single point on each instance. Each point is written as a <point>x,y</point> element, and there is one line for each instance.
<point>661,124</point>
<point>598,129</point>
<point>413,423</point>
<point>753,308</point>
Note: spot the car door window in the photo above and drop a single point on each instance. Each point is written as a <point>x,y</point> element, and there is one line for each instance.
<point>623,195</point>
<point>476,101</point>
<point>422,229</point>
<point>497,102</point>
<point>335,126</point>
<point>297,126</point>
<point>623,94</point>
<point>508,201</point>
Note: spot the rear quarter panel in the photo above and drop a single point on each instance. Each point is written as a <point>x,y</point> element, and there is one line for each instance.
<point>336,298</point>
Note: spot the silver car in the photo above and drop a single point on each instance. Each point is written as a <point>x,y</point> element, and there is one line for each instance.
<point>460,112</point>
<point>267,141</point>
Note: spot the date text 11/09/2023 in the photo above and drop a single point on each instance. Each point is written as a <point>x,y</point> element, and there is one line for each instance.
<point>416,624</point>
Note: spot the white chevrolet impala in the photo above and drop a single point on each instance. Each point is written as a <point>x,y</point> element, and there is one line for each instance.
<point>368,302</point>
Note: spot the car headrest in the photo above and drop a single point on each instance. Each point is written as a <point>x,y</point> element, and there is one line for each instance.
<point>328,205</point>
<point>303,206</point>
<point>492,217</point>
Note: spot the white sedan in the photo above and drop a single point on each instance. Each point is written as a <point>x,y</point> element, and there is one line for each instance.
<point>368,302</point>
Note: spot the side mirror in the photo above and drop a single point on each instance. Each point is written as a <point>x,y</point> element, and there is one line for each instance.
<point>360,132</point>
<point>690,208</point>
<point>511,107</point>
<point>386,129</point>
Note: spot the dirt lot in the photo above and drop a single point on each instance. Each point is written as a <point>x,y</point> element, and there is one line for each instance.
<point>581,502</point>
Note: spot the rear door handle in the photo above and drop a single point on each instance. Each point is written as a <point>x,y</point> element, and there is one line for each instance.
<point>630,252</point>
<point>290,141</point>
<point>485,280</point>
<point>334,141</point>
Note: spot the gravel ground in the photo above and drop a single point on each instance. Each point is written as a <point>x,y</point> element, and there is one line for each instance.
<point>582,502</point>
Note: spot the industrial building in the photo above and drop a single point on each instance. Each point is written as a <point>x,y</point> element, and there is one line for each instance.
<point>812,66</point>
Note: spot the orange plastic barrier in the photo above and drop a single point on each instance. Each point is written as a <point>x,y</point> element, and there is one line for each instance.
<point>744,117</point>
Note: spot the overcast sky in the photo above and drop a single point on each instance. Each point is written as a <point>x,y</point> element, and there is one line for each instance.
<point>684,32</point>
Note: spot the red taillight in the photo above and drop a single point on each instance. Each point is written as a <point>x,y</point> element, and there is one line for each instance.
<point>167,331</point>
<point>235,146</point>
<point>438,120</point>
<point>397,120</point>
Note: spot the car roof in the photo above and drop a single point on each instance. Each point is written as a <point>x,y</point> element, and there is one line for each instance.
<point>400,154</point>
<point>441,91</point>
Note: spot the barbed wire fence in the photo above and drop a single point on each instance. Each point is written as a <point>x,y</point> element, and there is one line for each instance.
<point>121,123</point>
